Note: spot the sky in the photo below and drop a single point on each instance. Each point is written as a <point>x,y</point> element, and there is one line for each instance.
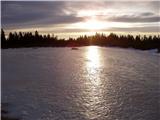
<point>72,19</point>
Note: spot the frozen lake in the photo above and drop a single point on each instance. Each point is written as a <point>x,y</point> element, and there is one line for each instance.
<point>92,83</point>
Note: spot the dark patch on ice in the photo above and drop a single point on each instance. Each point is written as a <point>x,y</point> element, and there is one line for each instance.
<point>5,113</point>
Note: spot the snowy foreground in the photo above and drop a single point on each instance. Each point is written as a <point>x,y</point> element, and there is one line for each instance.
<point>92,83</point>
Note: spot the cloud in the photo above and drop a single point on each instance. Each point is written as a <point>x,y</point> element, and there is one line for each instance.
<point>43,14</point>
<point>147,14</point>
<point>26,14</point>
<point>136,29</point>
<point>135,19</point>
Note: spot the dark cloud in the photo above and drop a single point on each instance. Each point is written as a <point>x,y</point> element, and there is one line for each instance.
<point>40,22</point>
<point>26,14</point>
<point>135,19</point>
<point>135,29</point>
<point>147,14</point>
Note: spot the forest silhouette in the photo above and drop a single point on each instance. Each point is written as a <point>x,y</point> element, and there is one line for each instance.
<point>28,39</point>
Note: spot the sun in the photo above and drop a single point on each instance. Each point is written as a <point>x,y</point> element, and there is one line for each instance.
<point>93,24</point>
<point>90,24</point>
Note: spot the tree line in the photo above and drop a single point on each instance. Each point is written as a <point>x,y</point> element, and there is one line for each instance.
<point>28,39</point>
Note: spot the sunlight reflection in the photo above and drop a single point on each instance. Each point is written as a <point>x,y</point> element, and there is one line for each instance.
<point>93,84</point>
<point>93,64</point>
<point>93,57</point>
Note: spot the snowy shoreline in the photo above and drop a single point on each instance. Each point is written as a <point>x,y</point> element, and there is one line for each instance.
<point>155,50</point>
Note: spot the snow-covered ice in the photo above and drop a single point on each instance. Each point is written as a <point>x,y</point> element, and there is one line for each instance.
<point>92,83</point>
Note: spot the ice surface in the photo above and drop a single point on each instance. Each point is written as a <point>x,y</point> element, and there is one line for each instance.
<point>92,83</point>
